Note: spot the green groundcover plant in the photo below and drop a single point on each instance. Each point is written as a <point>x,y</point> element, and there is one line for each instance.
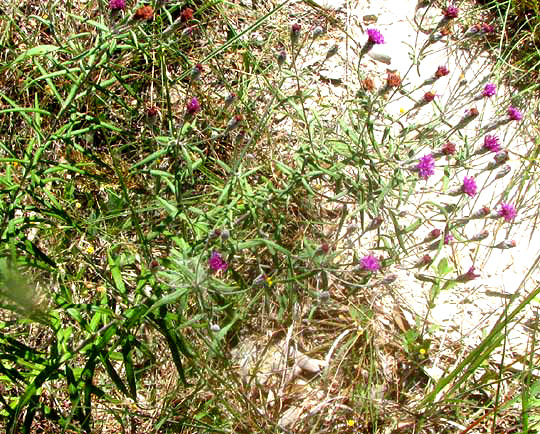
<point>154,214</point>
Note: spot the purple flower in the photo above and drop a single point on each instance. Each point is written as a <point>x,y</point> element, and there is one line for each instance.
<point>216,262</point>
<point>514,114</point>
<point>115,5</point>
<point>448,238</point>
<point>426,166</point>
<point>451,12</point>
<point>375,37</point>
<point>370,263</point>
<point>508,211</point>
<point>469,186</point>
<point>193,106</point>
<point>489,90</point>
<point>491,143</point>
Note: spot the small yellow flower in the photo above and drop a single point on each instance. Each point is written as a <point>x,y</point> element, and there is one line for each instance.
<point>269,281</point>
<point>422,351</point>
<point>77,205</point>
<point>350,422</point>
<point>90,250</point>
<point>402,110</point>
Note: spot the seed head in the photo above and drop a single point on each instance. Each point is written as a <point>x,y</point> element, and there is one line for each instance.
<point>393,79</point>
<point>186,15</point>
<point>144,13</point>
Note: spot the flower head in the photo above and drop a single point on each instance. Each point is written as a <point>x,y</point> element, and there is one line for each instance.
<point>448,238</point>
<point>449,148</point>
<point>370,263</point>
<point>375,37</point>
<point>491,143</point>
<point>508,211</point>
<point>295,33</point>
<point>117,4</point>
<point>393,79</point>
<point>469,275</point>
<point>489,90</point>
<point>514,114</point>
<point>144,13</point>
<point>216,262</point>
<point>429,96</point>
<point>451,12</point>
<point>426,166</point>
<point>186,15</point>
<point>193,106</point>
<point>488,28</point>
<point>442,71</point>
<point>469,186</point>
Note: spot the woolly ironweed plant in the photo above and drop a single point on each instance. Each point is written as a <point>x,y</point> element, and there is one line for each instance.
<point>180,212</point>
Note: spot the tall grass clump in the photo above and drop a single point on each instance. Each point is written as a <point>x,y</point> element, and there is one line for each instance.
<point>193,239</point>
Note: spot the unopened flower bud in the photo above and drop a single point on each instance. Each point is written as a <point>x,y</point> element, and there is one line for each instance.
<point>196,72</point>
<point>295,33</point>
<point>505,170</point>
<point>481,213</point>
<point>482,235</point>
<point>234,122</point>
<point>281,58</point>
<point>225,234</point>
<point>506,244</point>
<point>230,99</point>
<point>375,223</point>
<point>469,275</point>
<point>317,31</point>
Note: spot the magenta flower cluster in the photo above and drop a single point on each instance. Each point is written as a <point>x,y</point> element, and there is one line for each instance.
<point>370,263</point>
<point>375,37</point>
<point>514,114</point>
<point>426,166</point>
<point>451,12</point>
<point>491,143</point>
<point>216,262</point>
<point>489,90</point>
<point>115,5</point>
<point>469,186</point>
<point>508,211</point>
<point>193,106</point>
